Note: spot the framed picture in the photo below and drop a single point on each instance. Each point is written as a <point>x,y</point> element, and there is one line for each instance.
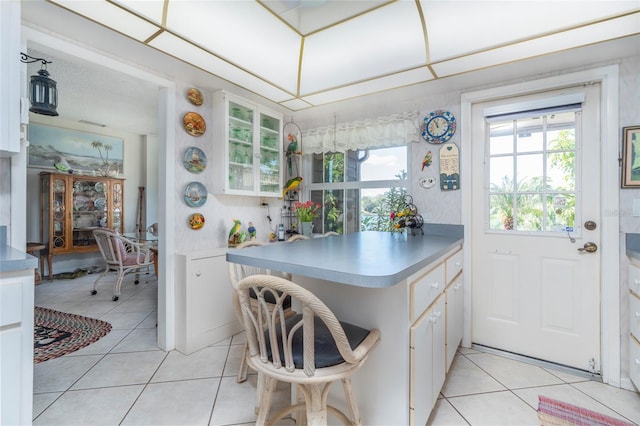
<point>631,157</point>
<point>74,149</point>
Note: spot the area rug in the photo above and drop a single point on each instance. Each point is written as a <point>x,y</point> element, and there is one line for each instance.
<point>557,413</point>
<point>59,333</point>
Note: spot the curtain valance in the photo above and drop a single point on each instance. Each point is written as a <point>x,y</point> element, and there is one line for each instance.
<point>394,130</point>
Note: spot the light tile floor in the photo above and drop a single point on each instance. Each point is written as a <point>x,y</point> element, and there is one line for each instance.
<point>124,378</point>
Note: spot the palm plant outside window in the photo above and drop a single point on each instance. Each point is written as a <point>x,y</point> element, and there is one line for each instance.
<point>532,173</point>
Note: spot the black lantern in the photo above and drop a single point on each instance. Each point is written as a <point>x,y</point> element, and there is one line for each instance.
<point>43,92</point>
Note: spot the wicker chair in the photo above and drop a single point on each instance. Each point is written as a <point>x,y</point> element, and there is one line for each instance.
<point>121,255</point>
<point>236,273</point>
<point>297,237</point>
<point>311,350</point>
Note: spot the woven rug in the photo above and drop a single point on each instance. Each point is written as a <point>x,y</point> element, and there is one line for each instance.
<point>58,333</point>
<point>557,413</point>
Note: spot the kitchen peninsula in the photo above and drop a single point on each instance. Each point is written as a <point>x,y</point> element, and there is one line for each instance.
<point>407,286</point>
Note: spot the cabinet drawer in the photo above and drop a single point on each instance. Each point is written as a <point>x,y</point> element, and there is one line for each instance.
<point>634,279</point>
<point>426,289</point>
<point>634,361</point>
<point>634,315</point>
<point>453,265</point>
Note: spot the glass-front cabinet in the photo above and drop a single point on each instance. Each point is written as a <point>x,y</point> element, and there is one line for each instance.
<point>248,146</point>
<point>72,206</point>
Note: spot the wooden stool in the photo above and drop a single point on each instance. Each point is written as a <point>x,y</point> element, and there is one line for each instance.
<point>34,250</point>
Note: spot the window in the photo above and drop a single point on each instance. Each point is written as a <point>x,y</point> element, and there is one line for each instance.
<point>356,188</point>
<point>532,172</point>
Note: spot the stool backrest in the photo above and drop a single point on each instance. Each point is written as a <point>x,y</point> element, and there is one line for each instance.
<point>270,333</point>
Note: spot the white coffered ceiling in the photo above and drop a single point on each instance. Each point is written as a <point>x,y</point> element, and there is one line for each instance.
<point>305,53</point>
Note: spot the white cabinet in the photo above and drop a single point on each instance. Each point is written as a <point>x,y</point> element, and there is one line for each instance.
<point>427,361</point>
<point>204,312</point>
<point>455,315</point>
<point>16,347</point>
<point>634,325</point>
<point>248,146</point>
<point>436,312</point>
<point>10,70</point>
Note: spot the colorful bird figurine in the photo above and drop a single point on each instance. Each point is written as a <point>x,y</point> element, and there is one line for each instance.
<point>291,149</point>
<point>291,184</point>
<point>426,161</point>
<point>252,231</point>
<point>235,228</point>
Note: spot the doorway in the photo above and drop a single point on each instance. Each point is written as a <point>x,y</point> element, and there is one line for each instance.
<point>535,184</point>
<point>609,261</point>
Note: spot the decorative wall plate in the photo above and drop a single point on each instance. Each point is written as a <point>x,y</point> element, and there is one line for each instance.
<point>196,221</point>
<point>438,126</point>
<point>195,96</point>
<point>194,124</point>
<point>195,194</point>
<point>194,160</point>
<point>99,204</point>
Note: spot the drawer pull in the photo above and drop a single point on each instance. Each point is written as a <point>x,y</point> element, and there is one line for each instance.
<point>457,264</point>
<point>198,273</point>
<point>435,285</point>
<point>636,281</point>
<point>637,361</point>
<point>457,286</point>
<point>637,314</point>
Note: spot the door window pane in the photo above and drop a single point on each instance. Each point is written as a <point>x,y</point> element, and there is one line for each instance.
<point>543,198</point>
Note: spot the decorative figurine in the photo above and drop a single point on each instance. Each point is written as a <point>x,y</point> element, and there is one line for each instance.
<point>407,216</point>
<point>234,234</point>
<point>291,185</point>
<point>252,231</point>
<point>291,149</point>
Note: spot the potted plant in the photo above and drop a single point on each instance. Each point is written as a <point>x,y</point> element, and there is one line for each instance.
<point>306,212</point>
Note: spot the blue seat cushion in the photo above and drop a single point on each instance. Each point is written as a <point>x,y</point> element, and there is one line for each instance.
<point>326,351</point>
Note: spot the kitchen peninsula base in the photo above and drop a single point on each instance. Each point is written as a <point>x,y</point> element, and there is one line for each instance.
<point>409,287</point>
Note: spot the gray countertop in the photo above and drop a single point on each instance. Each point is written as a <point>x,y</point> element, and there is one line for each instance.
<point>12,259</point>
<point>633,246</point>
<point>365,259</point>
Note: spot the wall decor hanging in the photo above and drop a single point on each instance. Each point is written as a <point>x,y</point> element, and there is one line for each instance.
<point>194,124</point>
<point>195,194</point>
<point>195,96</point>
<point>196,221</point>
<point>449,167</point>
<point>631,157</point>
<point>427,160</point>
<point>438,126</point>
<point>73,151</point>
<point>427,183</point>
<point>194,160</point>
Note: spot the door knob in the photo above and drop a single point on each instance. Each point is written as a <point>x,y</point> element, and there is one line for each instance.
<point>588,247</point>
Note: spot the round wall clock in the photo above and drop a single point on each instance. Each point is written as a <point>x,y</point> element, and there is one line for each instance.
<point>438,126</point>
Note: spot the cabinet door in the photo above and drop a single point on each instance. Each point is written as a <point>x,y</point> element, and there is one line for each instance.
<point>421,366</point>
<point>58,211</point>
<point>269,153</point>
<point>116,205</point>
<point>634,362</point>
<point>455,301</point>
<point>427,361</point>
<point>438,353</point>
<point>89,200</point>
<point>240,137</point>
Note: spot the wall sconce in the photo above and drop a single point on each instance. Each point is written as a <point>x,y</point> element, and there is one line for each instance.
<point>43,93</point>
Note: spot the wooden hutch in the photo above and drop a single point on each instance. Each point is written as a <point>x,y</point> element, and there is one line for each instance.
<point>72,206</point>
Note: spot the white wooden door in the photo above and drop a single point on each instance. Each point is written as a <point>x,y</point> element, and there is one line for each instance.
<point>536,180</point>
